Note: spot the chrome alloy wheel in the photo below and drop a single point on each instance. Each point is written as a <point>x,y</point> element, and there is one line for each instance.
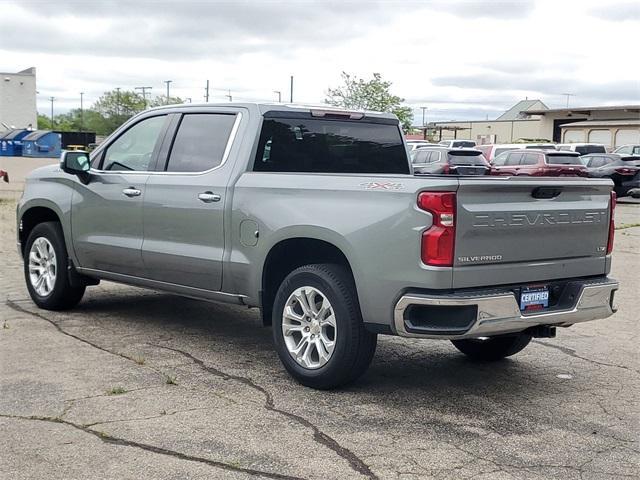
<point>309,327</point>
<point>42,266</point>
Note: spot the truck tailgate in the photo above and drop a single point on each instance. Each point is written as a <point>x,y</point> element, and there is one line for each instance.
<point>519,230</point>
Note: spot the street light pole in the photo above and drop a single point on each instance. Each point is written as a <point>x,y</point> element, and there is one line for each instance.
<point>279,95</point>
<point>229,96</point>
<point>81,111</point>
<point>168,82</point>
<point>118,101</point>
<point>52,99</point>
<point>291,91</point>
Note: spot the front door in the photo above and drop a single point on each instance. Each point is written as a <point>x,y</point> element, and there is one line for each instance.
<point>106,212</point>
<point>184,204</point>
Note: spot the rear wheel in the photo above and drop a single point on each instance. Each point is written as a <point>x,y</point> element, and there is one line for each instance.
<point>492,348</point>
<point>45,269</point>
<point>317,327</point>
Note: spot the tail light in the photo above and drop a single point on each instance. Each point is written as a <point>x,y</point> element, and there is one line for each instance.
<point>625,171</point>
<point>446,169</point>
<point>612,223</point>
<point>438,241</point>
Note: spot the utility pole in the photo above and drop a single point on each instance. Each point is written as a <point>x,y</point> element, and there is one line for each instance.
<point>279,95</point>
<point>206,92</point>
<point>144,94</point>
<point>52,99</point>
<point>291,91</point>
<point>424,125</point>
<point>229,96</point>
<point>168,82</point>
<point>118,101</point>
<point>568,95</point>
<point>81,111</point>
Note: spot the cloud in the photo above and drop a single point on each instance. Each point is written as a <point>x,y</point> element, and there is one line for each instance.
<point>618,11</point>
<point>494,9</point>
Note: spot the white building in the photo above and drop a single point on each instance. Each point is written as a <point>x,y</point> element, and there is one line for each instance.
<point>18,99</point>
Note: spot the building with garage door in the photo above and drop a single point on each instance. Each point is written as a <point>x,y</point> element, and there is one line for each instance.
<point>18,100</point>
<point>532,120</point>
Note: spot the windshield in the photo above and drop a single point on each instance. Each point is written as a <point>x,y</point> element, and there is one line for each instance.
<point>463,144</point>
<point>467,158</point>
<point>584,149</point>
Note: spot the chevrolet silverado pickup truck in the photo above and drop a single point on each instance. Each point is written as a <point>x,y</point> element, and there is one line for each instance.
<point>314,216</point>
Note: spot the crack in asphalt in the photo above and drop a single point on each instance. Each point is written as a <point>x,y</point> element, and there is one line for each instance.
<point>105,438</point>
<point>318,435</point>
<point>572,353</point>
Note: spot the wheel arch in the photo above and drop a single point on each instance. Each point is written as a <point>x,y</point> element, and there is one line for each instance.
<point>33,215</point>
<point>288,254</point>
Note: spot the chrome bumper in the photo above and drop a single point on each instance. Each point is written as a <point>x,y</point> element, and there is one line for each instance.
<point>499,313</point>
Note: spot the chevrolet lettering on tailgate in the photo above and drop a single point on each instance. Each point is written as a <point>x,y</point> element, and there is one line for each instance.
<point>517,219</point>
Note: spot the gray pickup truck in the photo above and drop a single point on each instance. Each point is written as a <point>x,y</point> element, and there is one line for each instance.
<point>314,216</point>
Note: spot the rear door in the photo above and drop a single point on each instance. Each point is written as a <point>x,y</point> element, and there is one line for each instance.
<point>526,230</point>
<point>511,165</point>
<point>184,204</point>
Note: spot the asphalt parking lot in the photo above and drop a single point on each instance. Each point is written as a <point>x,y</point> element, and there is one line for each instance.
<point>137,384</point>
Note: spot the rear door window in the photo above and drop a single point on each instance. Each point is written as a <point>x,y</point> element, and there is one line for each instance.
<point>200,142</point>
<point>330,146</point>
<point>513,159</point>
<point>529,159</point>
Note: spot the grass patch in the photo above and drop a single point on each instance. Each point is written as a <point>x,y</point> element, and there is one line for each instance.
<point>628,225</point>
<point>116,391</point>
<point>171,380</point>
<point>5,325</point>
<point>139,360</point>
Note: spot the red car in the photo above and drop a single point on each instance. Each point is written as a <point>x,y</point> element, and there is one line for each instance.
<point>4,176</point>
<point>539,163</point>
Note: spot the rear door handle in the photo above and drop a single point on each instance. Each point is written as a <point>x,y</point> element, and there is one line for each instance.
<point>209,197</point>
<point>131,192</point>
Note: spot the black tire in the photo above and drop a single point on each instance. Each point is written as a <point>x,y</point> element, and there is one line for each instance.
<point>63,296</point>
<point>354,345</point>
<point>492,349</point>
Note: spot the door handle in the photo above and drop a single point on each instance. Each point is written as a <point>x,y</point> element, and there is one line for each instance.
<point>131,192</point>
<point>209,197</point>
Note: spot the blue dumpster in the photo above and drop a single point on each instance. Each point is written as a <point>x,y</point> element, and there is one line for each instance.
<point>41,143</point>
<point>11,142</point>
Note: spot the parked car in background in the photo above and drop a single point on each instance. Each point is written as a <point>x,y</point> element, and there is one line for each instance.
<point>415,144</point>
<point>491,151</point>
<point>582,148</point>
<point>457,143</point>
<point>452,161</point>
<point>628,150</point>
<point>542,163</point>
<point>624,170</point>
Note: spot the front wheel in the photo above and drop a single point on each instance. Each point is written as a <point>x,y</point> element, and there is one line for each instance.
<point>45,269</point>
<point>492,348</point>
<point>317,327</point>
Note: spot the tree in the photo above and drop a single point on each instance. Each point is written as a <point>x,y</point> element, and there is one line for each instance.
<point>44,122</point>
<point>374,94</point>
<point>162,100</point>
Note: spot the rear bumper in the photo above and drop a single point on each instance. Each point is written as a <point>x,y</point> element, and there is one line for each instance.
<point>483,314</point>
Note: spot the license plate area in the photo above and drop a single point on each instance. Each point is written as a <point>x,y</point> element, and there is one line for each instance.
<point>534,298</point>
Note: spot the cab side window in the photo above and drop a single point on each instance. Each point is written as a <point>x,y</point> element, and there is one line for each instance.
<point>133,150</point>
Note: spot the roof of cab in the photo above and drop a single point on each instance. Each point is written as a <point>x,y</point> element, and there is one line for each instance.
<point>264,107</point>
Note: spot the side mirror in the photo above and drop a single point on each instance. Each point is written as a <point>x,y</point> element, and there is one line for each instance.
<point>75,162</point>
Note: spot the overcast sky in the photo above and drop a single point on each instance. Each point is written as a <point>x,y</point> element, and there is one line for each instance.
<point>462,59</point>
